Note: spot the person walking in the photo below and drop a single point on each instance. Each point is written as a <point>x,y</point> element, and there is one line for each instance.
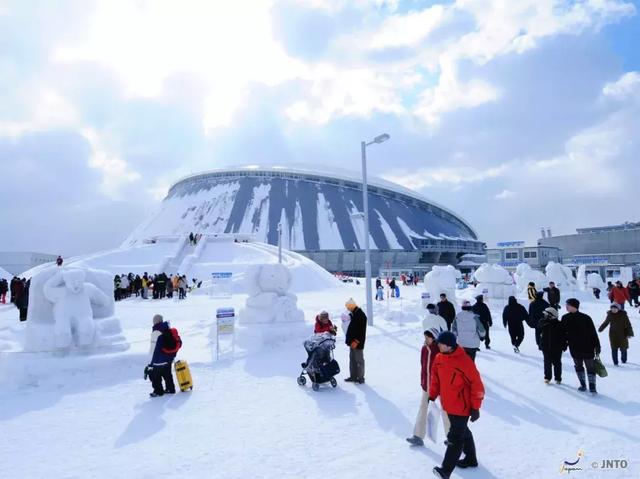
<point>513,316</point>
<point>536,308</point>
<point>356,335</point>
<point>427,356</point>
<point>553,295</point>
<point>620,331</point>
<point>619,294</point>
<point>584,344</point>
<point>434,320</point>
<point>634,292</point>
<point>482,310</point>
<point>59,261</point>
<point>553,342</point>
<point>447,310</point>
<point>532,292</point>
<point>469,330</point>
<point>456,380</point>
<point>4,288</point>
<point>159,367</point>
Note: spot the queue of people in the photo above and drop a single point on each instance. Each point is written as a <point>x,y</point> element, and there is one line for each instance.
<point>159,285</point>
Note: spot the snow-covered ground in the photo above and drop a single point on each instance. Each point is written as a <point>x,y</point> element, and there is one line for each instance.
<point>89,416</point>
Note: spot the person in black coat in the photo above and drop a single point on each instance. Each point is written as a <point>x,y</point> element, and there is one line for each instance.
<point>553,295</point>
<point>536,308</point>
<point>356,335</point>
<point>553,341</point>
<point>446,310</point>
<point>22,301</point>
<point>583,341</point>
<point>513,316</point>
<point>484,315</point>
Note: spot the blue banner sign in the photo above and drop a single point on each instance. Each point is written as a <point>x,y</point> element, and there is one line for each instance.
<point>510,244</point>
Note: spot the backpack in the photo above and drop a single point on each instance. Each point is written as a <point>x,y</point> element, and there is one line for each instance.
<point>171,341</point>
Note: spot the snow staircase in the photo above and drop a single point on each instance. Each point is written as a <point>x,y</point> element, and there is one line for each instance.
<point>170,263</point>
<point>190,259</point>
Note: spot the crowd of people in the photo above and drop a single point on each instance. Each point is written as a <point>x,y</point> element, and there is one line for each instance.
<point>18,289</point>
<point>160,285</point>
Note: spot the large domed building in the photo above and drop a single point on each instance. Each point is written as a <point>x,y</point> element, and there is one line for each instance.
<point>320,213</point>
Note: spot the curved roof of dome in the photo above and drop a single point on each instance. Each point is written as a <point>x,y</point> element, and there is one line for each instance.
<point>336,174</point>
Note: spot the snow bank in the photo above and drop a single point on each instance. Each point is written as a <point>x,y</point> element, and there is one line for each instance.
<point>401,317</point>
<point>494,282</point>
<point>71,307</point>
<point>441,279</point>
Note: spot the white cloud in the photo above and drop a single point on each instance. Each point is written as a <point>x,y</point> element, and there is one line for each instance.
<point>627,85</point>
<point>426,177</point>
<point>504,195</point>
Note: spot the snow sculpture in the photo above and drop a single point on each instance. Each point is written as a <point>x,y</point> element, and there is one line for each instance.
<point>582,277</point>
<point>525,275</point>
<point>441,279</point>
<point>269,300</point>
<point>494,281</point>
<point>561,276</point>
<point>594,280</point>
<point>72,307</point>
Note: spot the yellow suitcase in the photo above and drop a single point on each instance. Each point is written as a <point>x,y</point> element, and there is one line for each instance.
<point>184,375</point>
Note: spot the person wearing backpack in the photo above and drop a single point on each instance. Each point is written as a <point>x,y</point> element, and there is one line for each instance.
<point>165,343</point>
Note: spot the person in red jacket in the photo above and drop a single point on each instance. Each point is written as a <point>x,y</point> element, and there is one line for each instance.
<point>324,324</point>
<point>427,359</point>
<point>457,381</point>
<point>619,294</point>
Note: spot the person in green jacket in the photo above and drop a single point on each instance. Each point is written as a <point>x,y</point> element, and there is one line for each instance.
<point>620,331</point>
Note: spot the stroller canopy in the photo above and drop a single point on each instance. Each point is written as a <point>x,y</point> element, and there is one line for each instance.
<point>323,341</point>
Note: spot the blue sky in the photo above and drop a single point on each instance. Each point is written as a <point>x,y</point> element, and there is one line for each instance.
<point>516,116</point>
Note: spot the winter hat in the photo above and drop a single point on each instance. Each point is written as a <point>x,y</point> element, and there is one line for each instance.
<point>350,304</point>
<point>448,339</point>
<point>431,306</point>
<point>553,312</point>
<point>616,306</point>
<point>323,315</point>
<point>466,303</point>
<point>573,302</point>
<point>479,297</point>
<point>433,333</point>
<point>157,319</point>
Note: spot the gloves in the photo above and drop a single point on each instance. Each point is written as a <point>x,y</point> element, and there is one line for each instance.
<point>147,371</point>
<point>475,415</point>
<point>354,344</point>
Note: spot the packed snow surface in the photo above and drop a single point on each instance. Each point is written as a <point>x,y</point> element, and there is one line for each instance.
<point>89,415</point>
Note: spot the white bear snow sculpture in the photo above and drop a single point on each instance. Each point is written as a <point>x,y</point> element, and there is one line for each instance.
<point>494,281</point>
<point>269,300</point>
<point>525,275</point>
<point>72,307</point>
<point>72,297</point>
<point>441,279</point>
<point>561,276</point>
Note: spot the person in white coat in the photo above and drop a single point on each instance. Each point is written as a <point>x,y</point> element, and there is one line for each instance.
<point>469,330</point>
<point>433,320</point>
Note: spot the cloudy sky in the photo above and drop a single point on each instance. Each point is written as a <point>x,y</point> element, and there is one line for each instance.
<point>514,113</point>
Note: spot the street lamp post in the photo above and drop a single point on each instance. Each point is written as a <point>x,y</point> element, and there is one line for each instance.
<point>365,200</point>
<point>279,242</point>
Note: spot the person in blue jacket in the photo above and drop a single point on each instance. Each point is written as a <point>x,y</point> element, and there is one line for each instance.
<point>159,367</point>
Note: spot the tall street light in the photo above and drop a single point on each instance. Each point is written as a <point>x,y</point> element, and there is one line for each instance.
<point>365,199</point>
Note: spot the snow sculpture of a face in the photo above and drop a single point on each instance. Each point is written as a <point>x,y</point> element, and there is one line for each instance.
<point>74,280</point>
<point>274,278</point>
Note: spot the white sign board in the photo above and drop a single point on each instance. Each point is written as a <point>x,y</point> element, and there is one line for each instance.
<point>426,299</point>
<point>221,285</point>
<point>225,325</point>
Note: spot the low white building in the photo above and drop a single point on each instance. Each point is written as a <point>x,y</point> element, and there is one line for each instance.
<point>17,262</point>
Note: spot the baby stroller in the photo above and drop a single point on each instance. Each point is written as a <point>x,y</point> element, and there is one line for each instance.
<point>320,365</point>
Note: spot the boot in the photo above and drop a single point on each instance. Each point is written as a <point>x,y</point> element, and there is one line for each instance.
<point>592,384</point>
<point>415,441</point>
<point>466,462</point>
<point>438,472</point>
<point>583,380</point>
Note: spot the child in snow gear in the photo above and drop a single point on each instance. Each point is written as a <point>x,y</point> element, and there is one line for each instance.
<point>513,316</point>
<point>355,337</point>
<point>457,381</point>
<point>427,357</point>
<point>620,331</point>
<point>553,342</point>
<point>584,344</point>
<point>165,343</point>
<point>531,292</point>
<point>324,324</point>
<point>468,329</point>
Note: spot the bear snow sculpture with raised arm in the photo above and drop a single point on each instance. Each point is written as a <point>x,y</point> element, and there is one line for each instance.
<point>72,297</point>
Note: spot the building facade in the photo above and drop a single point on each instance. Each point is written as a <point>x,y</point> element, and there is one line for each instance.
<point>318,214</point>
<point>511,253</point>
